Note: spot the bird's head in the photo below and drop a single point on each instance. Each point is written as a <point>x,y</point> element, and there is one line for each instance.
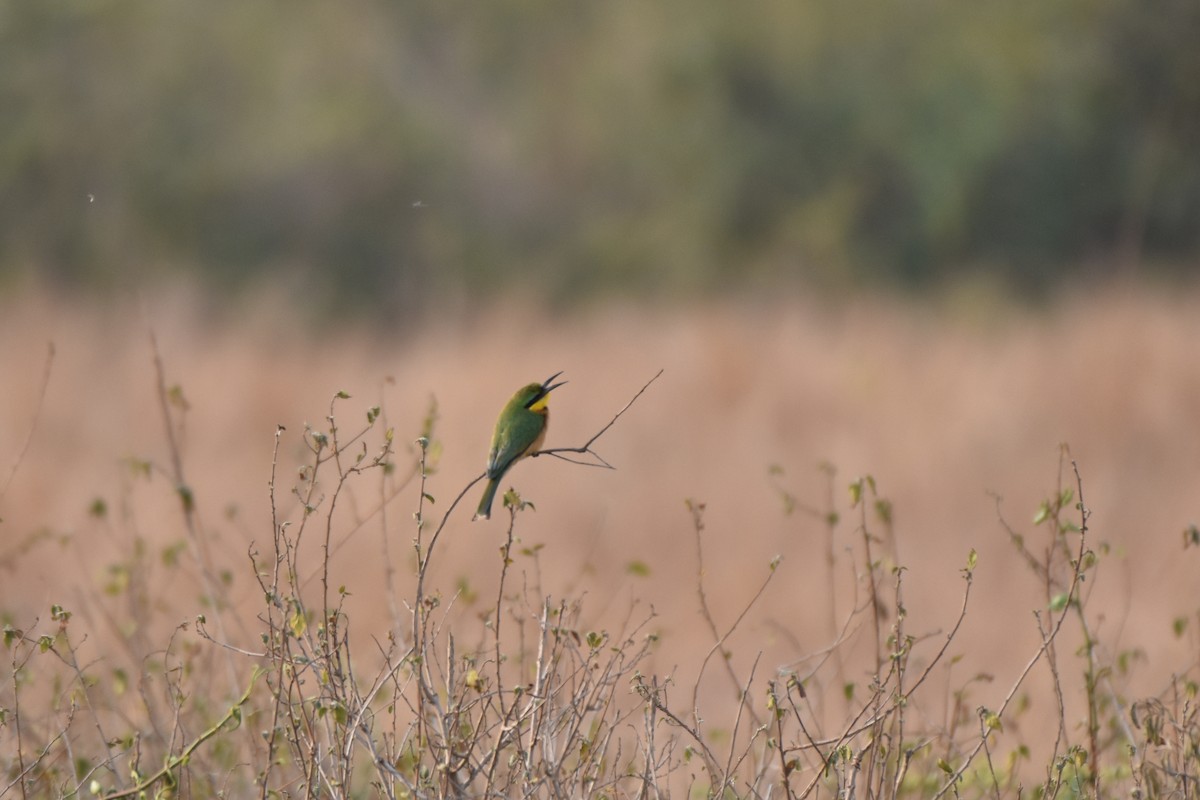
<point>536,395</point>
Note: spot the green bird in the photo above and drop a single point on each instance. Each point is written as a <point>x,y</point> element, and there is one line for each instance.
<point>520,430</point>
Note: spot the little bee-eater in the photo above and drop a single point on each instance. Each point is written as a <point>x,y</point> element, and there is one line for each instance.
<point>520,430</point>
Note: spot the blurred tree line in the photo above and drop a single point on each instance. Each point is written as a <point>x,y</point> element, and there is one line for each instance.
<point>381,153</point>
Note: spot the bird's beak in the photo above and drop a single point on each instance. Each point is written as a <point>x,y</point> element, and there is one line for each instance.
<point>548,387</point>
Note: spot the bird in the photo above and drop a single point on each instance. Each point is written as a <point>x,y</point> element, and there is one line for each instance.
<point>520,431</point>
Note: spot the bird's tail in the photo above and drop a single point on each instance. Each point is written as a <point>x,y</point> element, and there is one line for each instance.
<point>485,502</point>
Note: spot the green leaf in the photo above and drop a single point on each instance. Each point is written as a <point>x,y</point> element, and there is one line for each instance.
<point>186,497</point>
<point>1043,513</point>
<point>176,398</point>
<point>172,552</point>
<point>297,623</point>
<point>464,590</point>
<point>883,509</point>
<point>139,467</point>
<point>972,559</point>
<point>1191,536</point>
<point>11,635</point>
<point>1059,601</point>
<point>118,579</point>
<point>120,682</point>
<point>639,568</point>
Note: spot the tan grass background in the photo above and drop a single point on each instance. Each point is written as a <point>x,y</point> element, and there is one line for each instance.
<point>944,403</point>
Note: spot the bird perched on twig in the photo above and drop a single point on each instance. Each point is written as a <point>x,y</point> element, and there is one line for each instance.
<point>520,430</point>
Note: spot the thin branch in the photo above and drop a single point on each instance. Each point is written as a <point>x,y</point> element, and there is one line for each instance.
<point>37,415</point>
<point>586,447</point>
<point>720,643</point>
<point>41,756</point>
<point>1047,639</point>
<point>187,504</point>
<point>174,762</point>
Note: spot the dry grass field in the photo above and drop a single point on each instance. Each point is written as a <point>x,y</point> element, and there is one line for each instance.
<point>763,413</point>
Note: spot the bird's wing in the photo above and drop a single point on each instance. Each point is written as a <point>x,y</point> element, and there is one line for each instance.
<point>495,460</point>
<point>502,454</point>
<point>512,440</point>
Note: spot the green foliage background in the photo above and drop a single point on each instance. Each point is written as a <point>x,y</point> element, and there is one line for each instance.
<point>381,153</point>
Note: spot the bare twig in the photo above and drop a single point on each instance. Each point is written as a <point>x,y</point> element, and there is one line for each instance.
<point>586,447</point>
<point>187,504</point>
<point>175,762</point>
<point>37,415</point>
<point>719,639</point>
<point>1047,640</point>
